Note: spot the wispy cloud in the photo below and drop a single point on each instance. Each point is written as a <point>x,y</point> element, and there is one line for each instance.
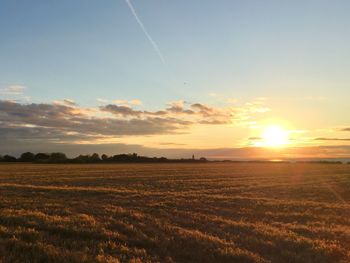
<point>102,100</point>
<point>142,26</point>
<point>128,102</point>
<point>68,102</point>
<point>331,139</point>
<point>13,90</point>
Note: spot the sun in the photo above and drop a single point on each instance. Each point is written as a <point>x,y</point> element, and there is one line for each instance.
<point>274,136</point>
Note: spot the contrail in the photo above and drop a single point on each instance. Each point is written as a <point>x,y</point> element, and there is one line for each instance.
<point>153,43</point>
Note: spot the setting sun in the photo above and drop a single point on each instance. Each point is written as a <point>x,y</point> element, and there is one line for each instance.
<point>274,136</point>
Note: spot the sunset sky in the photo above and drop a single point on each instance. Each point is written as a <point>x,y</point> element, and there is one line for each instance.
<point>221,79</point>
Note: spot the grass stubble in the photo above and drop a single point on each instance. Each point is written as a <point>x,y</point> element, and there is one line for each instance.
<point>214,212</point>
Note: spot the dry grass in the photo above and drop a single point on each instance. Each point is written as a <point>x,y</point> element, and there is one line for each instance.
<point>175,213</point>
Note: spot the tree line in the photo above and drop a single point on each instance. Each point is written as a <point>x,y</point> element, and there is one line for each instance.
<point>58,157</point>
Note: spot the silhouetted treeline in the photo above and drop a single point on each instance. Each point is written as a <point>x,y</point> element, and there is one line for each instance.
<point>58,157</point>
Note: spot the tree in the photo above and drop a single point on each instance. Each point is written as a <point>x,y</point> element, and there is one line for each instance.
<point>95,158</point>
<point>41,157</point>
<point>58,157</point>
<point>104,157</point>
<point>82,158</point>
<point>27,157</point>
<point>9,158</point>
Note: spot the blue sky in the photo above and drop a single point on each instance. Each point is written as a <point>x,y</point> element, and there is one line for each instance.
<point>294,53</point>
<point>88,49</point>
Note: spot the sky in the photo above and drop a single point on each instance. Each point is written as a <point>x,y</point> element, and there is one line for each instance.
<point>222,79</point>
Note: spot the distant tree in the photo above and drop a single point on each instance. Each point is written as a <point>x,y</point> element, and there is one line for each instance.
<point>9,158</point>
<point>104,157</point>
<point>95,158</point>
<point>1,158</point>
<point>27,157</point>
<point>42,157</point>
<point>202,159</point>
<point>82,159</point>
<point>58,157</point>
<point>162,159</point>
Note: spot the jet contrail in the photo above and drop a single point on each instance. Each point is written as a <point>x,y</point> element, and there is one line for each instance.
<point>153,43</point>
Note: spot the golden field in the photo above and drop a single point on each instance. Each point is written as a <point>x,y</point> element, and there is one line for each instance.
<point>211,212</point>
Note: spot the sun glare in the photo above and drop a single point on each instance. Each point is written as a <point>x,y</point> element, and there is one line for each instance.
<point>274,136</point>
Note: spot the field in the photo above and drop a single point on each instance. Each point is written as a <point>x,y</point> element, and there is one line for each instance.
<point>214,212</point>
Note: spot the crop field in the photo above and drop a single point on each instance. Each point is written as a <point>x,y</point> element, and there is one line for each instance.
<point>211,212</point>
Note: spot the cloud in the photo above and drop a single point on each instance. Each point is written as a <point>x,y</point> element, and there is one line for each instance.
<point>133,102</point>
<point>345,129</point>
<point>13,90</point>
<point>171,144</point>
<point>64,122</point>
<point>196,113</point>
<point>258,106</point>
<point>121,110</point>
<point>331,139</point>
<point>73,129</point>
<point>69,102</point>
<point>178,107</point>
<point>204,110</point>
<point>255,138</point>
<point>101,100</point>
